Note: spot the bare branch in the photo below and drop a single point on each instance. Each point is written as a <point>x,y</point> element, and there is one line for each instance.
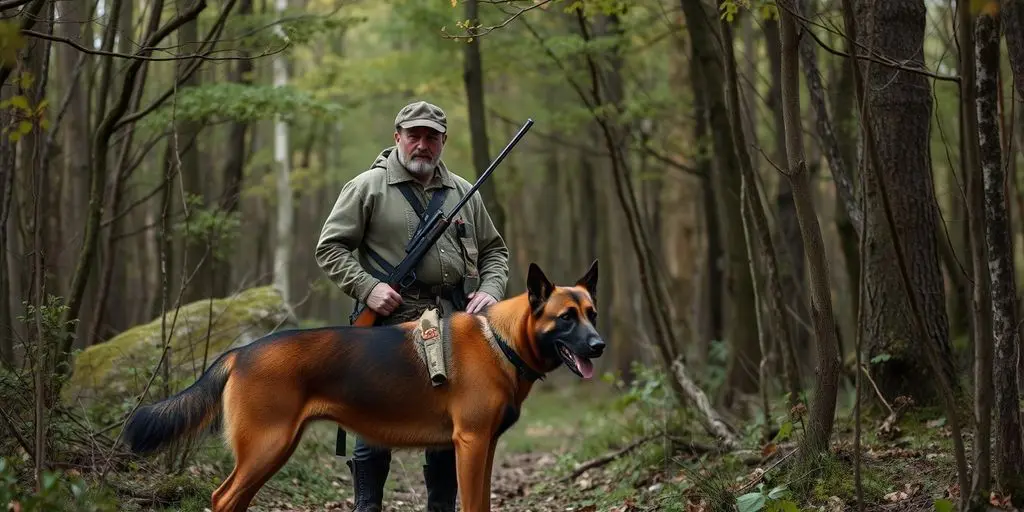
<point>215,31</point>
<point>872,56</point>
<point>138,56</point>
<point>474,30</point>
<point>11,4</point>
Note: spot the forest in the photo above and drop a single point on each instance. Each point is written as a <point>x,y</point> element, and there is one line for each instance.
<point>809,217</point>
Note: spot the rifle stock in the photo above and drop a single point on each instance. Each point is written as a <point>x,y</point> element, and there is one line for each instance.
<point>405,273</point>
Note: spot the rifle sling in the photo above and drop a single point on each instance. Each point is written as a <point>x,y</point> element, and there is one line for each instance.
<point>424,214</point>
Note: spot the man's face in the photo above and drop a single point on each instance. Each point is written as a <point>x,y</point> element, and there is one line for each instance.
<point>419,148</point>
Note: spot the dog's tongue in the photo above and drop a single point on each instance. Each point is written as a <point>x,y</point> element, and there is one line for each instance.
<point>585,366</point>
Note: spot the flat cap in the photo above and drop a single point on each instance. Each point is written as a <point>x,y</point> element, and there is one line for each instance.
<point>422,113</point>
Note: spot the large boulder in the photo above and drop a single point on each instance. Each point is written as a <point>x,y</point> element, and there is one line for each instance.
<point>108,378</point>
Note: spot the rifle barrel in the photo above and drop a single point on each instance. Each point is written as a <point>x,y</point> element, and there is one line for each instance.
<point>494,164</point>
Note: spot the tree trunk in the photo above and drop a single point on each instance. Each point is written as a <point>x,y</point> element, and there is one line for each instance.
<point>740,333</point>
<point>845,117</point>
<point>921,313</point>
<point>981,303</point>
<point>826,386</point>
<point>1009,462</point>
<point>791,251</point>
<point>234,164</point>
<point>282,162</point>
<point>1012,14</point>
<point>712,280</point>
<point>901,106</point>
<point>473,78</point>
<point>8,157</point>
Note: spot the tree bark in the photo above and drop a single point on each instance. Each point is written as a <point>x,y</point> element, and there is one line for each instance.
<point>1009,461</point>
<point>981,294</point>
<point>8,157</point>
<point>750,197</point>
<point>792,249</point>
<point>712,280</point>
<point>901,106</point>
<point>852,20</point>
<point>739,332</point>
<point>1012,14</point>
<point>282,168</point>
<point>826,386</point>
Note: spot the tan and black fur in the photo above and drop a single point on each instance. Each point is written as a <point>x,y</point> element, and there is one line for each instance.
<point>371,381</point>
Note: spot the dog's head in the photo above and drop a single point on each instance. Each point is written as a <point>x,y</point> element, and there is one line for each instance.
<point>564,320</point>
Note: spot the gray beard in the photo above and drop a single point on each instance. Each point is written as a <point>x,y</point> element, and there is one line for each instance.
<point>418,167</point>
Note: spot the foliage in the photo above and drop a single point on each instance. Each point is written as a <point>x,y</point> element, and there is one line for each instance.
<point>228,101</point>
<point>59,491</point>
<point>11,42</point>
<point>24,115</point>
<point>769,500</point>
<point>211,226</point>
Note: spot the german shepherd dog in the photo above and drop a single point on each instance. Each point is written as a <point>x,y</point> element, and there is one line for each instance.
<point>371,381</point>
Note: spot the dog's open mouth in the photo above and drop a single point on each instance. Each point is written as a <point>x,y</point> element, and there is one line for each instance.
<point>581,366</point>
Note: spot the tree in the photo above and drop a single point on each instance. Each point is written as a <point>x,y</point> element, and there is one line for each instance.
<point>901,105</point>
<point>1009,467</point>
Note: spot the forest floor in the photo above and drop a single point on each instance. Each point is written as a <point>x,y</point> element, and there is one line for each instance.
<point>566,423</point>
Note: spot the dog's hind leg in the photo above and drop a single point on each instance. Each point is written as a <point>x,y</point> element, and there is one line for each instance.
<point>261,456</point>
<point>263,435</point>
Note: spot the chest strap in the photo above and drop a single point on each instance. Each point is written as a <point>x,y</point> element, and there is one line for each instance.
<point>424,214</point>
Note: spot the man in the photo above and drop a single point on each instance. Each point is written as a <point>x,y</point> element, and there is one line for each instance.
<point>364,238</point>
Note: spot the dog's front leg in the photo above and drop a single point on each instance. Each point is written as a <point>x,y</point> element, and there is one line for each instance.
<point>472,457</point>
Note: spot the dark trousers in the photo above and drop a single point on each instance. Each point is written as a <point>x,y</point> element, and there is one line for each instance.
<point>371,464</point>
<point>432,458</point>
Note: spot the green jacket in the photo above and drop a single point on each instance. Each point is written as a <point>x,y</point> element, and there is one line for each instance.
<point>371,210</point>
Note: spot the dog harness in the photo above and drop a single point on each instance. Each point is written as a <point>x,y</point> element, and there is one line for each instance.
<point>522,369</point>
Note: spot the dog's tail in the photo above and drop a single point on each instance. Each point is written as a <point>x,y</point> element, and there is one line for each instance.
<point>185,414</point>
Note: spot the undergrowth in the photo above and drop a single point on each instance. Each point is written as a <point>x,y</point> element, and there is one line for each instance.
<point>914,470</point>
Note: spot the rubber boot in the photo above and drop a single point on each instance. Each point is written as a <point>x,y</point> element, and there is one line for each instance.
<point>442,484</point>
<point>368,477</point>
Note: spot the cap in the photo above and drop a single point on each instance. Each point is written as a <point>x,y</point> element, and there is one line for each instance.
<point>422,113</point>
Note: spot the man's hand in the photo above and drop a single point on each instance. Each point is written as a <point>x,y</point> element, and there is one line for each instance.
<point>478,301</point>
<point>383,299</point>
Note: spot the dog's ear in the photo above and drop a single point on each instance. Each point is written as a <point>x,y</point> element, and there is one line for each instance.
<point>538,287</point>
<point>589,280</point>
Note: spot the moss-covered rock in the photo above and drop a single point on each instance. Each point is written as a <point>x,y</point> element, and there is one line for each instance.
<point>111,375</point>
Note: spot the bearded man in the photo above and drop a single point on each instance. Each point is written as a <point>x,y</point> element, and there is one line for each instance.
<point>375,216</point>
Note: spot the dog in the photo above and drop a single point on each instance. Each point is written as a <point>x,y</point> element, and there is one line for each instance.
<point>373,381</point>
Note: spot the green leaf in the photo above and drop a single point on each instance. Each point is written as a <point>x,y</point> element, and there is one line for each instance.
<point>777,492</point>
<point>751,502</point>
<point>24,127</point>
<point>880,358</point>
<point>943,505</point>
<point>21,102</point>
<point>26,79</point>
<point>784,431</point>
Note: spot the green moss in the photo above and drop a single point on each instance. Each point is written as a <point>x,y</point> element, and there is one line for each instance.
<point>115,372</point>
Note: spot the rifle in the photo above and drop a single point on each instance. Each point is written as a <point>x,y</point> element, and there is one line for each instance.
<point>429,232</point>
